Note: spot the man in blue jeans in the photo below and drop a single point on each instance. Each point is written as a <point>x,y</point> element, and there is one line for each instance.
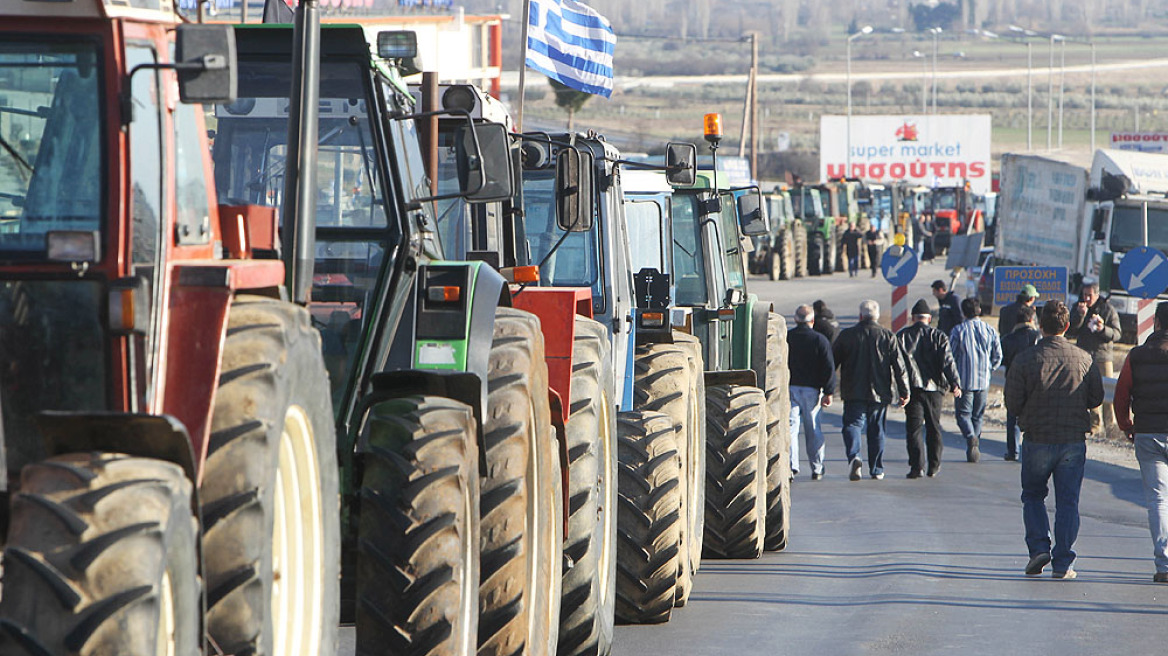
<point>977,351</point>
<point>812,384</point>
<point>1142,389</point>
<point>1051,387</point>
<point>873,373</point>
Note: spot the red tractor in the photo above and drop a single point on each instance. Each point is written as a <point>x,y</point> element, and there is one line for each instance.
<point>169,442</point>
<point>954,214</point>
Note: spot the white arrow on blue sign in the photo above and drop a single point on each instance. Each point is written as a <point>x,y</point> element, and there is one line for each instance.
<point>899,265</point>
<point>1144,272</point>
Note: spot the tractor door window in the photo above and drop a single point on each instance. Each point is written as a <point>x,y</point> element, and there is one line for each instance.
<point>194,211</point>
<point>145,160</point>
<point>50,141</point>
<point>731,246</point>
<point>572,260</point>
<point>689,269</point>
<point>646,226</point>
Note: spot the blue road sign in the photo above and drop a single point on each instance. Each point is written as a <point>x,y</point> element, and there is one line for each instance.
<point>899,265</point>
<point>1050,282</point>
<point>1144,272</point>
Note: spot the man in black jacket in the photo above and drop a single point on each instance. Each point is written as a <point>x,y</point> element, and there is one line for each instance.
<point>825,323</point>
<point>1142,389</point>
<point>932,372</point>
<point>949,314</point>
<point>812,384</point>
<point>1024,335</point>
<point>873,373</point>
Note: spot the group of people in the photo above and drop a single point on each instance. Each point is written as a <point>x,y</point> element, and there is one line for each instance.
<point>1053,387</point>
<point>873,239</point>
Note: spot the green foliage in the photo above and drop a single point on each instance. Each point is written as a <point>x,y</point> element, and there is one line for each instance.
<point>567,98</point>
<point>943,15</point>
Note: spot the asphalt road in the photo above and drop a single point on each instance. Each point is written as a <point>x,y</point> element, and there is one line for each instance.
<point>923,566</point>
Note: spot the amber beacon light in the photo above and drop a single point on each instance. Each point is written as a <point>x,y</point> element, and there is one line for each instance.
<point>713,128</point>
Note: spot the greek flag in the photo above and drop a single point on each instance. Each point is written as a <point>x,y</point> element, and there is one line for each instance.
<point>572,44</point>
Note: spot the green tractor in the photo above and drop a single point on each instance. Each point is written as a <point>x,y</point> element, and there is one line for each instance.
<point>452,514</point>
<point>781,254</point>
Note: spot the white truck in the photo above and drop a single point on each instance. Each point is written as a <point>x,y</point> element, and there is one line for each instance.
<point>1056,214</point>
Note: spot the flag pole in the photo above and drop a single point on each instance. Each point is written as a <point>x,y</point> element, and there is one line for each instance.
<point>522,64</point>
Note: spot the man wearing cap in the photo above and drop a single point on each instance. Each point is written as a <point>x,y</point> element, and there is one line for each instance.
<point>932,372</point>
<point>1008,317</point>
<point>949,314</point>
<point>1024,335</point>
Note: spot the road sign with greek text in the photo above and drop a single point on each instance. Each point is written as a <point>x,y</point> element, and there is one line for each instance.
<point>1051,283</point>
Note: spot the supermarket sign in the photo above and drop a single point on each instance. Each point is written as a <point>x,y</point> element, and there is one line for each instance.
<point>1145,142</point>
<point>935,150</point>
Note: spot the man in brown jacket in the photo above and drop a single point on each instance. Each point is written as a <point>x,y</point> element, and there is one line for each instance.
<point>1051,387</point>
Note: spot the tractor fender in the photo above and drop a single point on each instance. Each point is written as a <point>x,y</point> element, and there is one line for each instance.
<point>759,315</point>
<point>745,377</point>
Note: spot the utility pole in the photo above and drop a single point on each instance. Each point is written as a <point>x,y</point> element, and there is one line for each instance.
<point>754,104</point>
<point>1062,86</point>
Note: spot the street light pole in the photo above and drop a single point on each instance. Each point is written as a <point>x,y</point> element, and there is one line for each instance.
<point>924,80</point>
<point>1029,97</point>
<point>1092,98</point>
<point>1050,98</point>
<point>1062,86</point>
<point>936,31</point>
<point>867,29</point>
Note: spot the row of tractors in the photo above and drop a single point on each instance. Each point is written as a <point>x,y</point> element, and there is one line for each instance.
<point>808,222</point>
<point>341,349</point>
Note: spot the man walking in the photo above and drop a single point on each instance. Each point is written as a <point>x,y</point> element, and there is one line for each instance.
<point>812,383</point>
<point>978,352</point>
<point>949,314</point>
<point>1008,317</point>
<point>1051,387</point>
<point>852,238</point>
<point>1023,336</point>
<point>825,323</point>
<point>873,373</point>
<point>1142,388</point>
<point>875,240</point>
<point>932,372</point>
<point>1095,326</point>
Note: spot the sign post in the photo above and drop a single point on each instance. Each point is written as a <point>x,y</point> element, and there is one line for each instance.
<point>1144,274</point>
<point>899,266</point>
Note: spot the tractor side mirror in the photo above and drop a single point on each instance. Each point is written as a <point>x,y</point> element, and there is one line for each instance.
<point>208,71</point>
<point>573,184</point>
<point>752,217</point>
<point>1098,222</point>
<point>485,173</point>
<point>681,160</point>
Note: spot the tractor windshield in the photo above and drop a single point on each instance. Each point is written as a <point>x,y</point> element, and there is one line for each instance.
<point>51,151</point>
<point>944,200</point>
<point>576,261</point>
<point>646,227</point>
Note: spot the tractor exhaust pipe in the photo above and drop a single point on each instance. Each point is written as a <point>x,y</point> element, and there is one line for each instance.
<point>298,238</point>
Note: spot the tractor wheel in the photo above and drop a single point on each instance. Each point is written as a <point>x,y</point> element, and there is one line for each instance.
<point>649,518</point>
<point>835,255</point>
<point>788,242</point>
<point>522,498</point>
<point>694,465</point>
<point>418,530</point>
<point>800,252</point>
<point>667,381</point>
<point>589,594</point>
<point>776,386</point>
<point>271,519</point>
<point>815,254</point>
<point>735,486</point>
<point>774,264</point>
<point>102,558</point>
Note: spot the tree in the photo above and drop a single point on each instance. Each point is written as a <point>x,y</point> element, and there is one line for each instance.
<point>569,99</point>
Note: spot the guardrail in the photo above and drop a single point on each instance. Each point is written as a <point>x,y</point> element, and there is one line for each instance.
<point>998,379</point>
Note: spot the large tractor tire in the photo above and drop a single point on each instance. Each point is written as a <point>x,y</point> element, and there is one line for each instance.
<point>800,252</point>
<point>649,518</point>
<point>589,593</point>
<point>102,558</point>
<point>815,254</point>
<point>269,495</point>
<point>418,532</point>
<point>669,381</point>
<point>522,498</point>
<point>775,383</point>
<point>736,463</point>
<point>788,243</point>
